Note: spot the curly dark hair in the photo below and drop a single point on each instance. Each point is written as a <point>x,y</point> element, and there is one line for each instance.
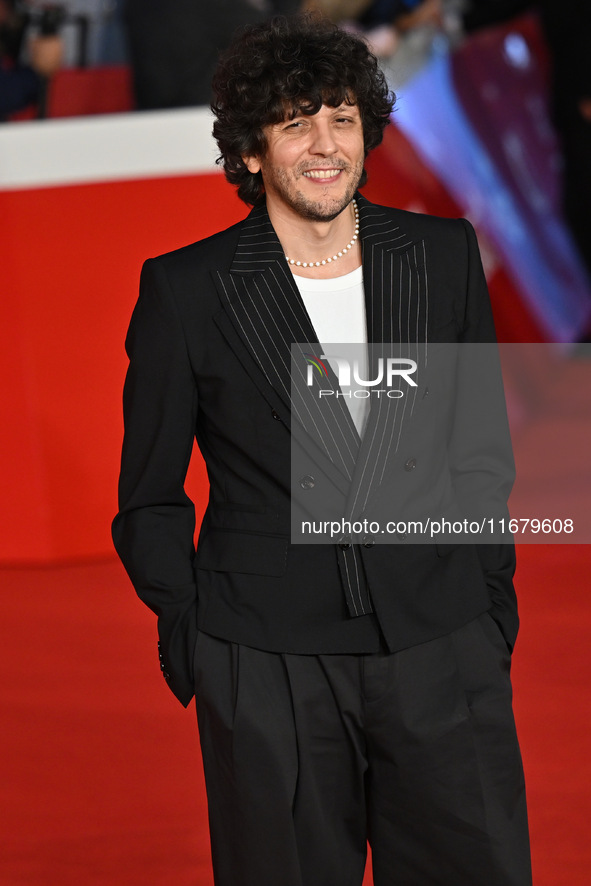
<point>291,65</point>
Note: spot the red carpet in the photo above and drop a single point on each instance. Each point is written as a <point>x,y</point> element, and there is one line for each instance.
<point>102,781</point>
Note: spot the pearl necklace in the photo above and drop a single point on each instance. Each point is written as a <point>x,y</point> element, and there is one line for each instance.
<point>326,261</point>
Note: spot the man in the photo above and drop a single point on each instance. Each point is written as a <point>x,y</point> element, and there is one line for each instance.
<point>345,691</point>
<point>21,85</point>
<point>174,44</point>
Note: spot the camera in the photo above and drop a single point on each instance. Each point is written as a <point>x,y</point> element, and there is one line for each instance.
<point>50,19</point>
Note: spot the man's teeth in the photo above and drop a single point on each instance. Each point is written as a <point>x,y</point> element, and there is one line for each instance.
<point>321,173</point>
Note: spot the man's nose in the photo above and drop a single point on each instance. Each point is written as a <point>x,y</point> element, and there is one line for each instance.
<point>323,140</point>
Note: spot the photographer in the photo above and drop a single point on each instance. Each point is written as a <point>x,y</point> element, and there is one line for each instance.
<point>22,85</point>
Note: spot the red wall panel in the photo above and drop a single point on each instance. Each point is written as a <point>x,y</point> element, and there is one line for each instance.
<point>71,261</point>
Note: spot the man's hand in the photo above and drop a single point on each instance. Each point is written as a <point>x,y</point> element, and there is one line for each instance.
<point>46,54</point>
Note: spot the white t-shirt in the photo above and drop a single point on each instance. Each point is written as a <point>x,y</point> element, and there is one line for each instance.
<point>337,310</point>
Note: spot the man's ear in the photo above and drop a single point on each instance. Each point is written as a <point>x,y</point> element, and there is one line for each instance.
<point>253,164</point>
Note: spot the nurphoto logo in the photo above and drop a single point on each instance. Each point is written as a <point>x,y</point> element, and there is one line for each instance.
<point>349,376</point>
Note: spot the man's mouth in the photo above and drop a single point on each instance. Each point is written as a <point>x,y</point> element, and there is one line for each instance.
<point>322,174</point>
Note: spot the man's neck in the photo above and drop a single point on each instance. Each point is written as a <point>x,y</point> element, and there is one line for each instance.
<point>307,241</point>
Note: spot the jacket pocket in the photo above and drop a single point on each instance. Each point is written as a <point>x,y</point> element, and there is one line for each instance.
<point>226,550</point>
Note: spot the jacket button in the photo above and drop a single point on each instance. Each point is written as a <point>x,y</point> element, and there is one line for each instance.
<point>368,541</point>
<point>344,543</point>
<point>410,464</point>
<point>275,415</point>
<point>307,482</point>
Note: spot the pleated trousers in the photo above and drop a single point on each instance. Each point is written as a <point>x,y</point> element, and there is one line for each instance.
<point>309,757</point>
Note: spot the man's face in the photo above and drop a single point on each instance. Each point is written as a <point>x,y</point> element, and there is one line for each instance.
<point>313,163</point>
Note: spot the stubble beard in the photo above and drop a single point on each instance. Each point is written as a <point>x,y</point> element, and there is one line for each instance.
<point>314,210</point>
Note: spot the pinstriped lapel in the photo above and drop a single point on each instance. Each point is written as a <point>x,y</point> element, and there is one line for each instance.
<point>397,308</point>
<point>264,305</point>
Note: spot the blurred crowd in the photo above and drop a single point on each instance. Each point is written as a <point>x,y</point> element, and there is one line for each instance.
<point>172,47</point>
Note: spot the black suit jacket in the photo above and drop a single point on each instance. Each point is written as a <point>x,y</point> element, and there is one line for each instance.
<point>209,348</point>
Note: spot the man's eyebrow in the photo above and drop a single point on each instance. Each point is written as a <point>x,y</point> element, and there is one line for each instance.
<point>303,110</point>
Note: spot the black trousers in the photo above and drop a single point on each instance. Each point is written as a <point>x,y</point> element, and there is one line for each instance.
<point>307,757</point>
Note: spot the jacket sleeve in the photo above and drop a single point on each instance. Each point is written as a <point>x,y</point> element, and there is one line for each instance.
<point>486,470</point>
<point>153,531</point>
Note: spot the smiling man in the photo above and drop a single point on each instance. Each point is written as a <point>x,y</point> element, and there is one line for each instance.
<point>347,691</point>
<point>311,168</point>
